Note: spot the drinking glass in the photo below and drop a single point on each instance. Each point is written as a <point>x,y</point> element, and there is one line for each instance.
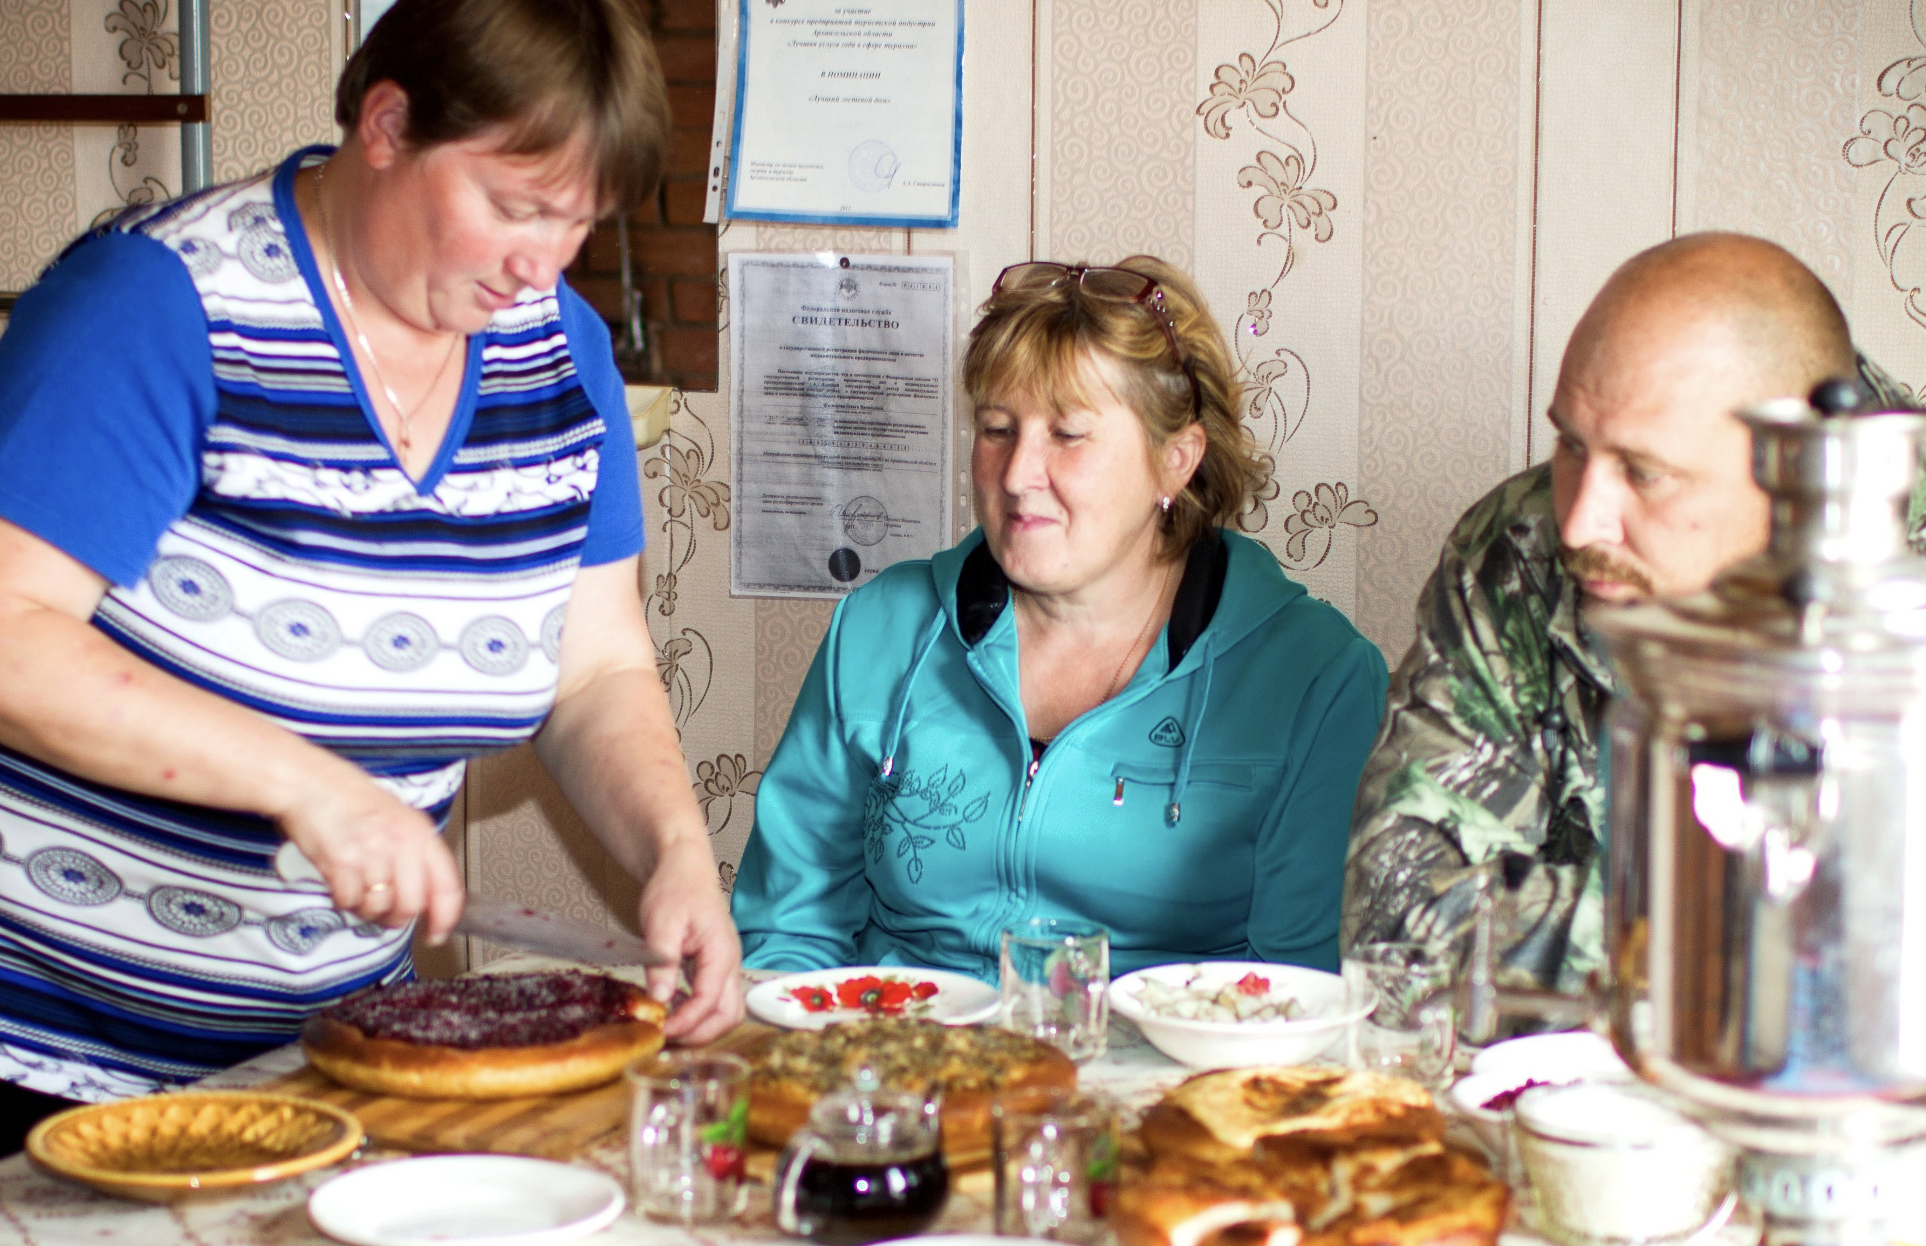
<point>688,1134</point>
<point>1056,1163</point>
<point>1055,979</point>
<point>1412,1031</point>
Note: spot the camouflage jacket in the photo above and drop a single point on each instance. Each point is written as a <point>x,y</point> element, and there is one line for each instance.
<point>1487,762</point>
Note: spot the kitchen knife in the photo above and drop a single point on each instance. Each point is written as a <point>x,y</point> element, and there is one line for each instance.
<point>513,924</point>
<point>535,931</point>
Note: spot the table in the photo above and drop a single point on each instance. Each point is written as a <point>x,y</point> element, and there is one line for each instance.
<point>37,1210</point>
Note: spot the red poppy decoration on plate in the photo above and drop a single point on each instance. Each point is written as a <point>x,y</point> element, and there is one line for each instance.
<point>870,993</point>
<point>813,998</point>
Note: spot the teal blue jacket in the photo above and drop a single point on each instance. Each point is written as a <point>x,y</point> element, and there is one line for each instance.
<point>1202,812</point>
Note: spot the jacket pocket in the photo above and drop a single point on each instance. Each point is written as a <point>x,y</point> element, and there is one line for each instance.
<point>1232,775</point>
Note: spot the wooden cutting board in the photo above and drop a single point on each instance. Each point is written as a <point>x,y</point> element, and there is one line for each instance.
<point>548,1126</point>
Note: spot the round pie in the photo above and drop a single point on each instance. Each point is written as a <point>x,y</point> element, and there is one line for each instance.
<point>493,1036</point>
<point>969,1065</point>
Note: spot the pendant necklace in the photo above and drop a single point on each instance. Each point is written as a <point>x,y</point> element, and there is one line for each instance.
<point>406,440</point>
<point>1156,608</point>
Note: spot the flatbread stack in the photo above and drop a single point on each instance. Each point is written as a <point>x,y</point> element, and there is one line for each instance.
<point>1304,1156</point>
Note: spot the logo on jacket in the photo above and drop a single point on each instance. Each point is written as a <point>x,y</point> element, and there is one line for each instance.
<point>1169,733</point>
<point>916,808</point>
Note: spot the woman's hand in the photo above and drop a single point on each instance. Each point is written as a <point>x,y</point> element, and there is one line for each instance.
<point>382,859</point>
<point>611,743</point>
<point>683,914</point>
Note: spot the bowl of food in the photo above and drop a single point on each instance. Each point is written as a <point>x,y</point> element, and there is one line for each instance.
<point>1486,1096</point>
<point>1231,1014</point>
<point>162,1148</point>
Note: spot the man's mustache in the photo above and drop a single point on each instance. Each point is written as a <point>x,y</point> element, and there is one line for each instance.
<point>1592,563</point>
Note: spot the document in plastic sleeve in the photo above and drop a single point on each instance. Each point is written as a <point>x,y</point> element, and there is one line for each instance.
<point>840,396</point>
<point>848,113</point>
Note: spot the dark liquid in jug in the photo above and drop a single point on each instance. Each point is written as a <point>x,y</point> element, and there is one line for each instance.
<point>847,1204</point>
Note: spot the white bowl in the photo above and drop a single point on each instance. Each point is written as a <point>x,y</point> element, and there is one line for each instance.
<point>1553,1059</point>
<point>1468,1096</point>
<point>1610,1161</point>
<point>1238,1044</point>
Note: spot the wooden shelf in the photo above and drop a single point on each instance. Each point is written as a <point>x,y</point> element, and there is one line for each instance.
<point>135,109</point>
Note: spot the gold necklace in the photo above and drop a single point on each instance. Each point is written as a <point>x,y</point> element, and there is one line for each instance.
<point>402,414</point>
<point>1156,608</point>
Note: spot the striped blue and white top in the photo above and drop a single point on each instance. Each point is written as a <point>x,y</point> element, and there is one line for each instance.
<point>176,413</point>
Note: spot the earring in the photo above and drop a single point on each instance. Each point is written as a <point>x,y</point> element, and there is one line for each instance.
<point>1165,504</point>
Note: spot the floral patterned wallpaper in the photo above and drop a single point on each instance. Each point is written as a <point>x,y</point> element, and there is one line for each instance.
<point>272,67</point>
<point>1355,184</point>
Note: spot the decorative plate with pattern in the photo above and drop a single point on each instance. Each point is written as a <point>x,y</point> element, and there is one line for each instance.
<point>810,1001</point>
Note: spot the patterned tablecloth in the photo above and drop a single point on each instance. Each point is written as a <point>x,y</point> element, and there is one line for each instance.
<point>41,1211</point>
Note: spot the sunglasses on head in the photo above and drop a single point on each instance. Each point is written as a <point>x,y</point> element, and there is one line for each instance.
<point>1108,285</point>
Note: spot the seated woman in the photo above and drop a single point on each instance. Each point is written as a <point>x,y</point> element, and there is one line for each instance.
<point>1102,704</point>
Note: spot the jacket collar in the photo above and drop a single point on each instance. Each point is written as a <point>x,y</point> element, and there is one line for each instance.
<point>982,592</point>
<point>1533,535</point>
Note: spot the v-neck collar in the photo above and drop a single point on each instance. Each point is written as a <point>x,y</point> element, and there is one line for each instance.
<point>464,415</point>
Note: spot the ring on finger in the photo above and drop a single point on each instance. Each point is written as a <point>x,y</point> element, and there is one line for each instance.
<point>378,888</point>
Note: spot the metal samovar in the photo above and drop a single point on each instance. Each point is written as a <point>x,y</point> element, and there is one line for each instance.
<point>1766,900</point>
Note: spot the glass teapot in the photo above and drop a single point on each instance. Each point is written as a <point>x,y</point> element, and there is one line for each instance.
<point>868,1166</point>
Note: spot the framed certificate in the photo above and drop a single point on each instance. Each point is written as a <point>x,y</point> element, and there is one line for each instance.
<point>848,113</point>
<point>840,373</point>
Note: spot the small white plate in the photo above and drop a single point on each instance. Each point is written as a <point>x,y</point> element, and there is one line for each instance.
<point>496,1200</point>
<point>959,999</point>
<point>1566,1056</point>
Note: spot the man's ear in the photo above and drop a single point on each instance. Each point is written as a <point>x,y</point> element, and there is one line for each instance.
<point>383,124</point>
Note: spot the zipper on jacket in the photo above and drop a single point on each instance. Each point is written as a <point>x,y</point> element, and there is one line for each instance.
<point>1029,777</point>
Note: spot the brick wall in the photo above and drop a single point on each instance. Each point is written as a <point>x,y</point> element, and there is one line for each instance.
<point>672,253</point>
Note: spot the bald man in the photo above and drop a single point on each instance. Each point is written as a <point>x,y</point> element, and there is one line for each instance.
<point>1487,764</point>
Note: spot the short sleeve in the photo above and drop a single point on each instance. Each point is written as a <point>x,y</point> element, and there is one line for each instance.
<point>615,512</point>
<point>106,391</point>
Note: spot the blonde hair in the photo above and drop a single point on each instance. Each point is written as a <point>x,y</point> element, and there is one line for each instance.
<point>547,70</point>
<point>1032,340</point>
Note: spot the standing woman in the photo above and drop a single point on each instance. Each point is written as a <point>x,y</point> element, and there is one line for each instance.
<point>1102,704</point>
<point>300,478</point>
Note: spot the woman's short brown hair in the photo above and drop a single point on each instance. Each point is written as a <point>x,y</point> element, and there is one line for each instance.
<point>1033,338</point>
<point>545,70</point>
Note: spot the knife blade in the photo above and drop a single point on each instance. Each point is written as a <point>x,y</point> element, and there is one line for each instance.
<point>551,934</point>
<point>516,925</point>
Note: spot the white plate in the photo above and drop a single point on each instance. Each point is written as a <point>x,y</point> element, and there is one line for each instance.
<point>1567,1056</point>
<point>487,1200</point>
<point>959,999</point>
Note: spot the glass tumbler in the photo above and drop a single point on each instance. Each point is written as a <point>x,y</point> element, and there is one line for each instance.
<point>1055,977</point>
<point>1412,1030</point>
<point>1056,1163</point>
<point>688,1133</point>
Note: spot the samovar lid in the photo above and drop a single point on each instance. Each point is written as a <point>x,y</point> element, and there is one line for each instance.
<point>1837,572</point>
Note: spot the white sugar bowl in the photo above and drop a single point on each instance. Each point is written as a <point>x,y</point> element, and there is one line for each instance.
<point>1611,1163</point>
